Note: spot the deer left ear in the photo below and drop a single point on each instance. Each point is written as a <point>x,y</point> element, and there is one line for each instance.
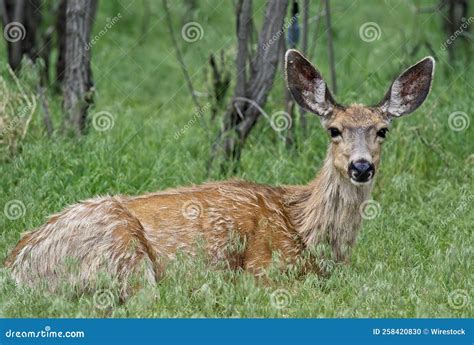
<point>410,89</point>
<point>307,86</point>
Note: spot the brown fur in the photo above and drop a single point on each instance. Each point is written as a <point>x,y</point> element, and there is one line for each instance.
<point>265,219</point>
<point>240,224</point>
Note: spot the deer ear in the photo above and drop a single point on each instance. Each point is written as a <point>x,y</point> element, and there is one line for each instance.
<point>306,84</point>
<point>410,89</point>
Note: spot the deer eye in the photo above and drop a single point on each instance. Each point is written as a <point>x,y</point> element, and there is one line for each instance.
<point>382,132</point>
<point>334,132</point>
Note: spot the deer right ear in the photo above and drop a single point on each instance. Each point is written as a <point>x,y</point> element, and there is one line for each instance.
<point>410,89</point>
<point>306,84</point>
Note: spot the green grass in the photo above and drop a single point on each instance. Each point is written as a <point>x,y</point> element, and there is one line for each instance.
<point>410,261</point>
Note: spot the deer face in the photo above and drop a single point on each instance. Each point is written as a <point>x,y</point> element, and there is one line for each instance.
<point>357,132</point>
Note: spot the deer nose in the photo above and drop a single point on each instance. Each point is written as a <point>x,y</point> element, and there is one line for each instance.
<point>361,171</point>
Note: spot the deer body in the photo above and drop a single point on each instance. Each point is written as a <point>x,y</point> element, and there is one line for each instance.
<point>122,234</point>
<point>240,224</point>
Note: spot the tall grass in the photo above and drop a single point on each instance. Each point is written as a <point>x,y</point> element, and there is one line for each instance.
<point>413,260</point>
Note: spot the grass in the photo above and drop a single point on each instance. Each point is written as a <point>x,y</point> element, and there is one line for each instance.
<point>413,260</point>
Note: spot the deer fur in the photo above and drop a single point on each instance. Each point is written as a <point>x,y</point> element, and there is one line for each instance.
<point>240,224</point>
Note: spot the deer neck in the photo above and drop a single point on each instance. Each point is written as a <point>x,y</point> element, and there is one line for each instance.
<point>327,211</point>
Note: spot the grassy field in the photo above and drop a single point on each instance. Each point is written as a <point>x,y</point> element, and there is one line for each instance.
<point>414,259</point>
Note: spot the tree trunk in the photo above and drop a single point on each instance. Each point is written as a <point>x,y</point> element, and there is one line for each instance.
<point>78,84</point>
<point>220,83</point>
<point>332,63</point>
<point>304,48</point>
<point>289,103</point>
<point>254,78</point>
<point>60,26</point>
<point>293,40</point>
<point>455,16</point>
<point>21,21</point>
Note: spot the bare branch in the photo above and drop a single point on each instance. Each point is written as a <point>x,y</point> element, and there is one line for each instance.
<point>48,123</point>
<point>332,64</point>
<point>179,56</point>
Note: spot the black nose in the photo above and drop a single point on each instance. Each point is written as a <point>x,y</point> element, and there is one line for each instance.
<point>361,170</point>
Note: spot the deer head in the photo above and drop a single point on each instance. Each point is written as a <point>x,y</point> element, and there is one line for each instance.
<point>356,131</point>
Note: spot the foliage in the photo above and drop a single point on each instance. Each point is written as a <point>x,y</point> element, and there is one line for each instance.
<point>412,260</point>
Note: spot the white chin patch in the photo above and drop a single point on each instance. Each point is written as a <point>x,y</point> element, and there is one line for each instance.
<point>354,182</point>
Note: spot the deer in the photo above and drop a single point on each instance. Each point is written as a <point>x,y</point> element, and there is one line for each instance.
<point>140,235</point>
